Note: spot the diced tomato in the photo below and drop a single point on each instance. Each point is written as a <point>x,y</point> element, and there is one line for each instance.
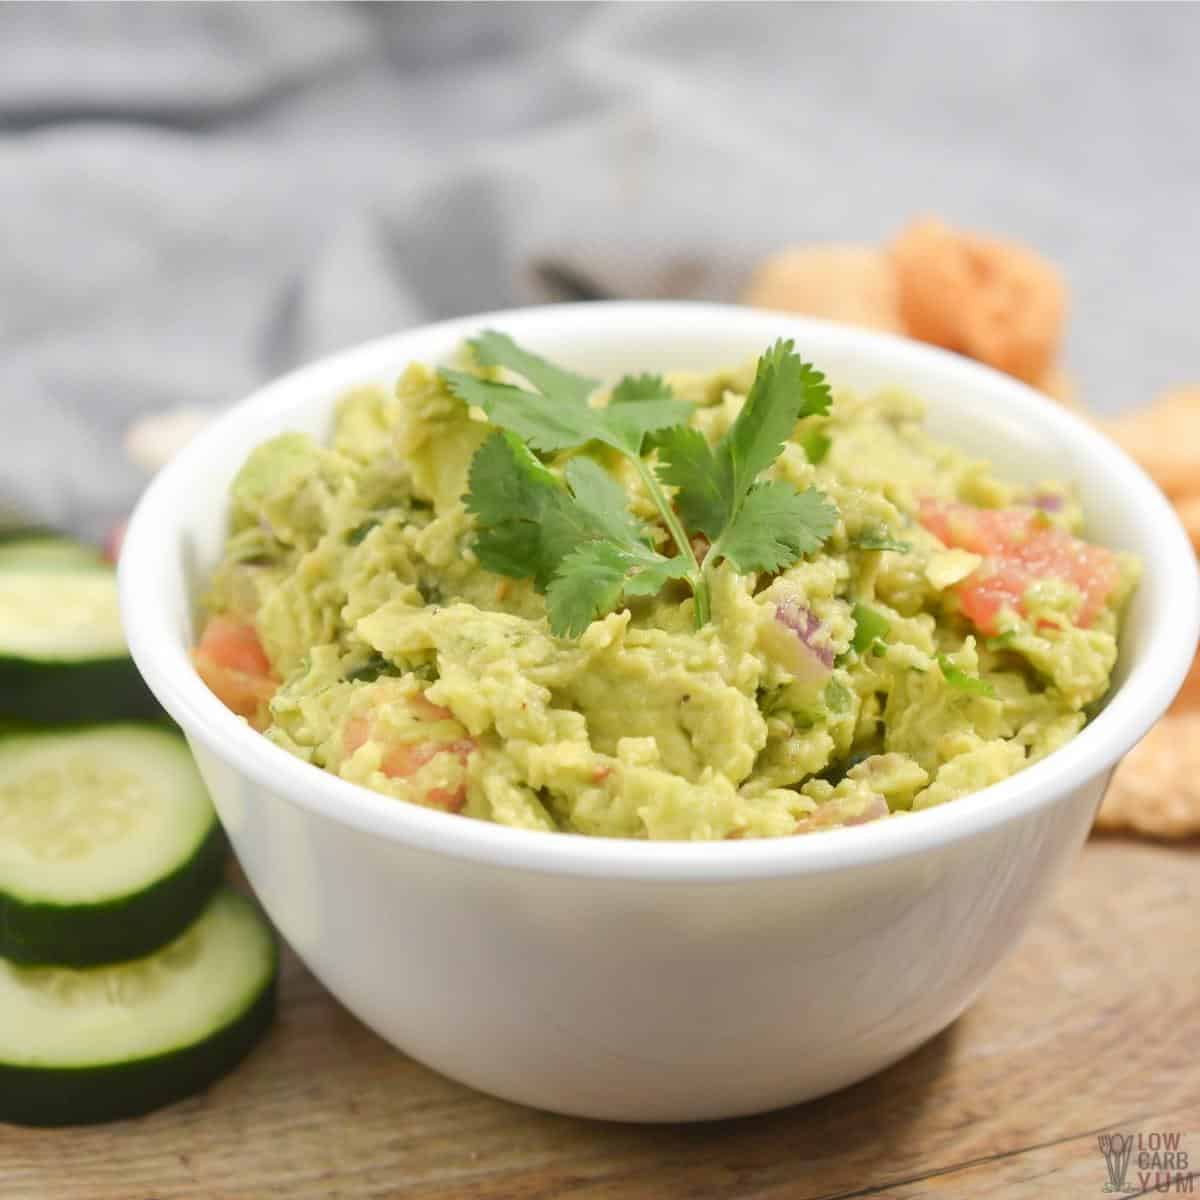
<point>426,710</point>
<point>357,730</point>
<point>837,813</point>
<point>231,660</point>
<point>1020,548</point>
<point>408,758</point>
<point>403,759</point>
<point>986,531</point>
<point>451,799</point>
<point>235,645</point>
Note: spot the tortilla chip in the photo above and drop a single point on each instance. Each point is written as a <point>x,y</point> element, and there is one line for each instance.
<point>1156,790</point>
<point>1164,438</point>
<point>852,284</point>
<point>993,300</point>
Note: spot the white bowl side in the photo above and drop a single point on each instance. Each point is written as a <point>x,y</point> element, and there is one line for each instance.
<point>668,981</point>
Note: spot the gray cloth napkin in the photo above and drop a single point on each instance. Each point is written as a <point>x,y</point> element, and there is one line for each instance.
<point>195,198</point>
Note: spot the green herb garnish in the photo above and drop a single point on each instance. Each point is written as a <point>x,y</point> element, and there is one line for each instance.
<point>870,628</point>
<point>358,534</point>
<point>874,538</point>
<point>837,696</point>
<point>957,678</point>
<point>575,537</point>
<point>815,445</point>
<point>431,593</point>
<point>372,669</point>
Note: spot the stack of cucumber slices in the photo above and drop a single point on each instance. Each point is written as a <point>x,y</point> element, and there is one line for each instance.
<point>62,652</point>
<point>130,975</point>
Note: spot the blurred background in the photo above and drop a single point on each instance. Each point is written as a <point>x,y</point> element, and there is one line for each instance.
<point>197,197</point>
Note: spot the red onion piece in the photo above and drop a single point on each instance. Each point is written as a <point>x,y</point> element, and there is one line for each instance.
<point>1046,501</point>
<point>793,640</point>
<point>843,813</point>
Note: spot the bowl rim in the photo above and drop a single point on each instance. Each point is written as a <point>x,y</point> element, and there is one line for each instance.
<point>1154,678</point>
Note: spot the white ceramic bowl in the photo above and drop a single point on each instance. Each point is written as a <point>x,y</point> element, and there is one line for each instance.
<point>655,982</point>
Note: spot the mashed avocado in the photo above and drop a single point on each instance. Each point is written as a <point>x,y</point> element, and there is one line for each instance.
<point>952,629</point>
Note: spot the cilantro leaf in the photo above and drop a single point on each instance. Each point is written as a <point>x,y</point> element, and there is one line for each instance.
<point>687,462</point>
<point>493,349</point>
<point>958,679</point>
<point>641,405</point>
<point>506,480</point>
<point>717,491</point>
<point>513,548</point>
<point>785,389</point>
<point>545,422</point>
<point>649,572</point>
<point>557,416</point>
<point>644,389</point>
<point>593,578</point>
<point>870,627</point>
<point>815,445</point>
<point>575,537</point>
<point>588,584</point>
<point>878,538</point>
<point>510,494</point>
<point>528,523</point>
<point>775,526</point>
<point>604,500</point>
<point>595,509</point>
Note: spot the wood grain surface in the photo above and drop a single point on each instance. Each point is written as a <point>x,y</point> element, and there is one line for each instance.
<point>1092,1025</point>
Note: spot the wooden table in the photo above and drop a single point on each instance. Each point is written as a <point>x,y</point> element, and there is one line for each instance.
<point>1094,1024</point>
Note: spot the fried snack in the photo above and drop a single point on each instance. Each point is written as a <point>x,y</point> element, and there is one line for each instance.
<point>1058,385</point>
<point>1188,508</point>
<point>993,300</point>
<point>1189,695</point>
<point>852,284</point>
<point>1165,438</point>
<point>1156,790</point>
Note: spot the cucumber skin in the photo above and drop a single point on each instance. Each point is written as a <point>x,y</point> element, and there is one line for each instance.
<point>37,933</point>
<point>106,689</point>
<point>25,533</point>
<point>48,1096</point>
<point>67,552</point>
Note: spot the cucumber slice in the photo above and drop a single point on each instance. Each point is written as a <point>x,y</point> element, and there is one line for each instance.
<point>109,845</point>
<point>62,650</point>
<point>45,552</point>
<point>60,616</point>
<point>80,1046</point>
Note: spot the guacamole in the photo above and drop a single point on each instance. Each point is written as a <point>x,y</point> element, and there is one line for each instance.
<point>951,629</point>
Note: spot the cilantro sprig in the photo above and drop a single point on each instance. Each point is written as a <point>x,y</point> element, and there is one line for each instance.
<point>574,535</point>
